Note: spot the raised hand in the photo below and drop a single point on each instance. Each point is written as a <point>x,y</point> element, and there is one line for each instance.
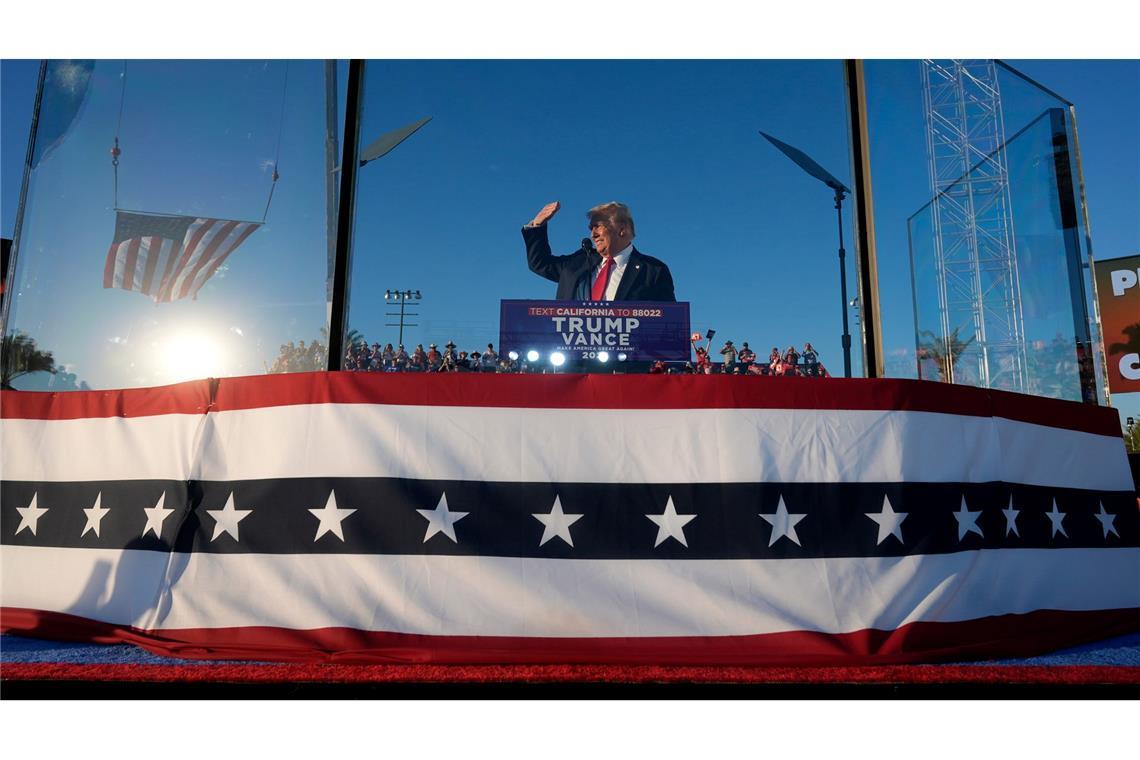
<point>543,216</point>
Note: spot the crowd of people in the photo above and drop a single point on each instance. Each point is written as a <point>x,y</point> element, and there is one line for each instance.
<point>300,358</point>
<point>361,357</point>
<point>744,361</point>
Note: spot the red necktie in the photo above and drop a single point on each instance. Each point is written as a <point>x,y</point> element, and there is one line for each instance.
<point>599,291</point>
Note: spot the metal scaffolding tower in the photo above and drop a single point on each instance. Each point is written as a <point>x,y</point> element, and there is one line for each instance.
<point>975,260</point>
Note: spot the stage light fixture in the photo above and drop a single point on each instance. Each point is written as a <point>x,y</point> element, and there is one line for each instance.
<point>622,357</point>
<point>603,357</point>
<point>558,358</point>
<point>532,356</point>
<point>514,356</point>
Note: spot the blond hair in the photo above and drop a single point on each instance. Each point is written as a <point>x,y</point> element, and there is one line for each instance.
<point>614,214</point>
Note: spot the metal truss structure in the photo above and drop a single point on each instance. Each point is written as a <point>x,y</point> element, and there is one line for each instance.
<point>975,259</point>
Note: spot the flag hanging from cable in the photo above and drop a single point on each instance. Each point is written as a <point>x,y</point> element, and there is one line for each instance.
<point>169,257</point>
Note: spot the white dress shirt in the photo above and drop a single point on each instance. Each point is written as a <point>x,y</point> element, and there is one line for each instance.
<point>621,261</point>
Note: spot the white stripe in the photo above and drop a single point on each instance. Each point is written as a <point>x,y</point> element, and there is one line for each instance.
<point>493,596</point>
<point>160,447</point>
<point>161,256</point>
<point>120,263</point>
<point>183,273</point>
<point>222,250</point>
<point>568,446</point>
<point>145,244</point>
<point>171,254</point>
<point>119,586</point>
<point>654,446</point>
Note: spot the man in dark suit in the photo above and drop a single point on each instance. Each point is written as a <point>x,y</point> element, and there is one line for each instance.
<point>613,271</point>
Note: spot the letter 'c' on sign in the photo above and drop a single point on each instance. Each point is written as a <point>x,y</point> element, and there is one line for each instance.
<point>1122,280</point>
<point>1130,366</point>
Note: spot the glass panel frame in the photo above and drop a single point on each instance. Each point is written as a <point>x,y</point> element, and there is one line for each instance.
<point>1053,358</point>
<point>898,103</point>
<point>195,140</point>
<point>441,213</point>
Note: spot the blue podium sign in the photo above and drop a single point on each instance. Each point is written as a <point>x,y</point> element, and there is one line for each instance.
<point>642,330</point>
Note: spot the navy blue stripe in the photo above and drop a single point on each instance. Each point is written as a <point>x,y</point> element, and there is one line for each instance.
<point>613,526</point>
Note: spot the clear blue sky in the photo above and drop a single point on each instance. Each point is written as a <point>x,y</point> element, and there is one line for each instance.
<point>751,240</point>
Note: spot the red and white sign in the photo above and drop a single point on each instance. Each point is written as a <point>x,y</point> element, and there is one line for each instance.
<point>1118,292</point>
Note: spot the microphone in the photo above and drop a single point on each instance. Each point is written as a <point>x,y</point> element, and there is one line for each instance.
<point>588,248</point>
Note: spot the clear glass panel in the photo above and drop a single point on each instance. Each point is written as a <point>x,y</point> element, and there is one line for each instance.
<point>221,279</point>
<point>1045,276</point>
<point>973,171</point>
<point>750,239</point>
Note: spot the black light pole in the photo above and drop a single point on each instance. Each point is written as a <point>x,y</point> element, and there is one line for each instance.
<point>340,269</point>
<point>342,265</point>
<point>803,161</point>
<point>403,297</point>
<point>839,196</point>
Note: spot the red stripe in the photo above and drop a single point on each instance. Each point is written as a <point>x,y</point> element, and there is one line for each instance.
<point>1026,635</point>
<point>168,273</point>
<point>131,262</point>
<point>109,267</point>
<point>187,252</point>
<point>218,261</point>
<point>153,253</point>
<point>579,392</point>
<point>658,392</point>
<point>215,242</point>
<point>184,398</point>
<point>337,673</point>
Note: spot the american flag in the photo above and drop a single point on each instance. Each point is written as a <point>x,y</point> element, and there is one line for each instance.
<point>553,519</point>
<point>169,257</point>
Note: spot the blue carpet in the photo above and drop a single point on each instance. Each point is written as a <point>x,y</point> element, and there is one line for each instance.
<point>1122,650</point>
<point>20,649</point>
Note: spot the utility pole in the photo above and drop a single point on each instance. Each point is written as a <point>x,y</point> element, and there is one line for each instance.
<point>404,298</point>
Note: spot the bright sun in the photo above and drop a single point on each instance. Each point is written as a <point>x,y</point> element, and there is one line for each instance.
<point>191,356</point>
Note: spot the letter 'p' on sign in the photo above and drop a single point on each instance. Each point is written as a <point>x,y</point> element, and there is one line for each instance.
<point>1118,295</point>
<point>1122,280</point>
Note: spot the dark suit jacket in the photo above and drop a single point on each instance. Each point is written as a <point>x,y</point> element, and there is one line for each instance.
<point>645,278</point>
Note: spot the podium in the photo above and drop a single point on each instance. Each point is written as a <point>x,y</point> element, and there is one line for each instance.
<point>594,336</point>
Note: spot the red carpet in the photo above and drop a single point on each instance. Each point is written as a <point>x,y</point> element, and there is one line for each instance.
<point>637,674</point>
